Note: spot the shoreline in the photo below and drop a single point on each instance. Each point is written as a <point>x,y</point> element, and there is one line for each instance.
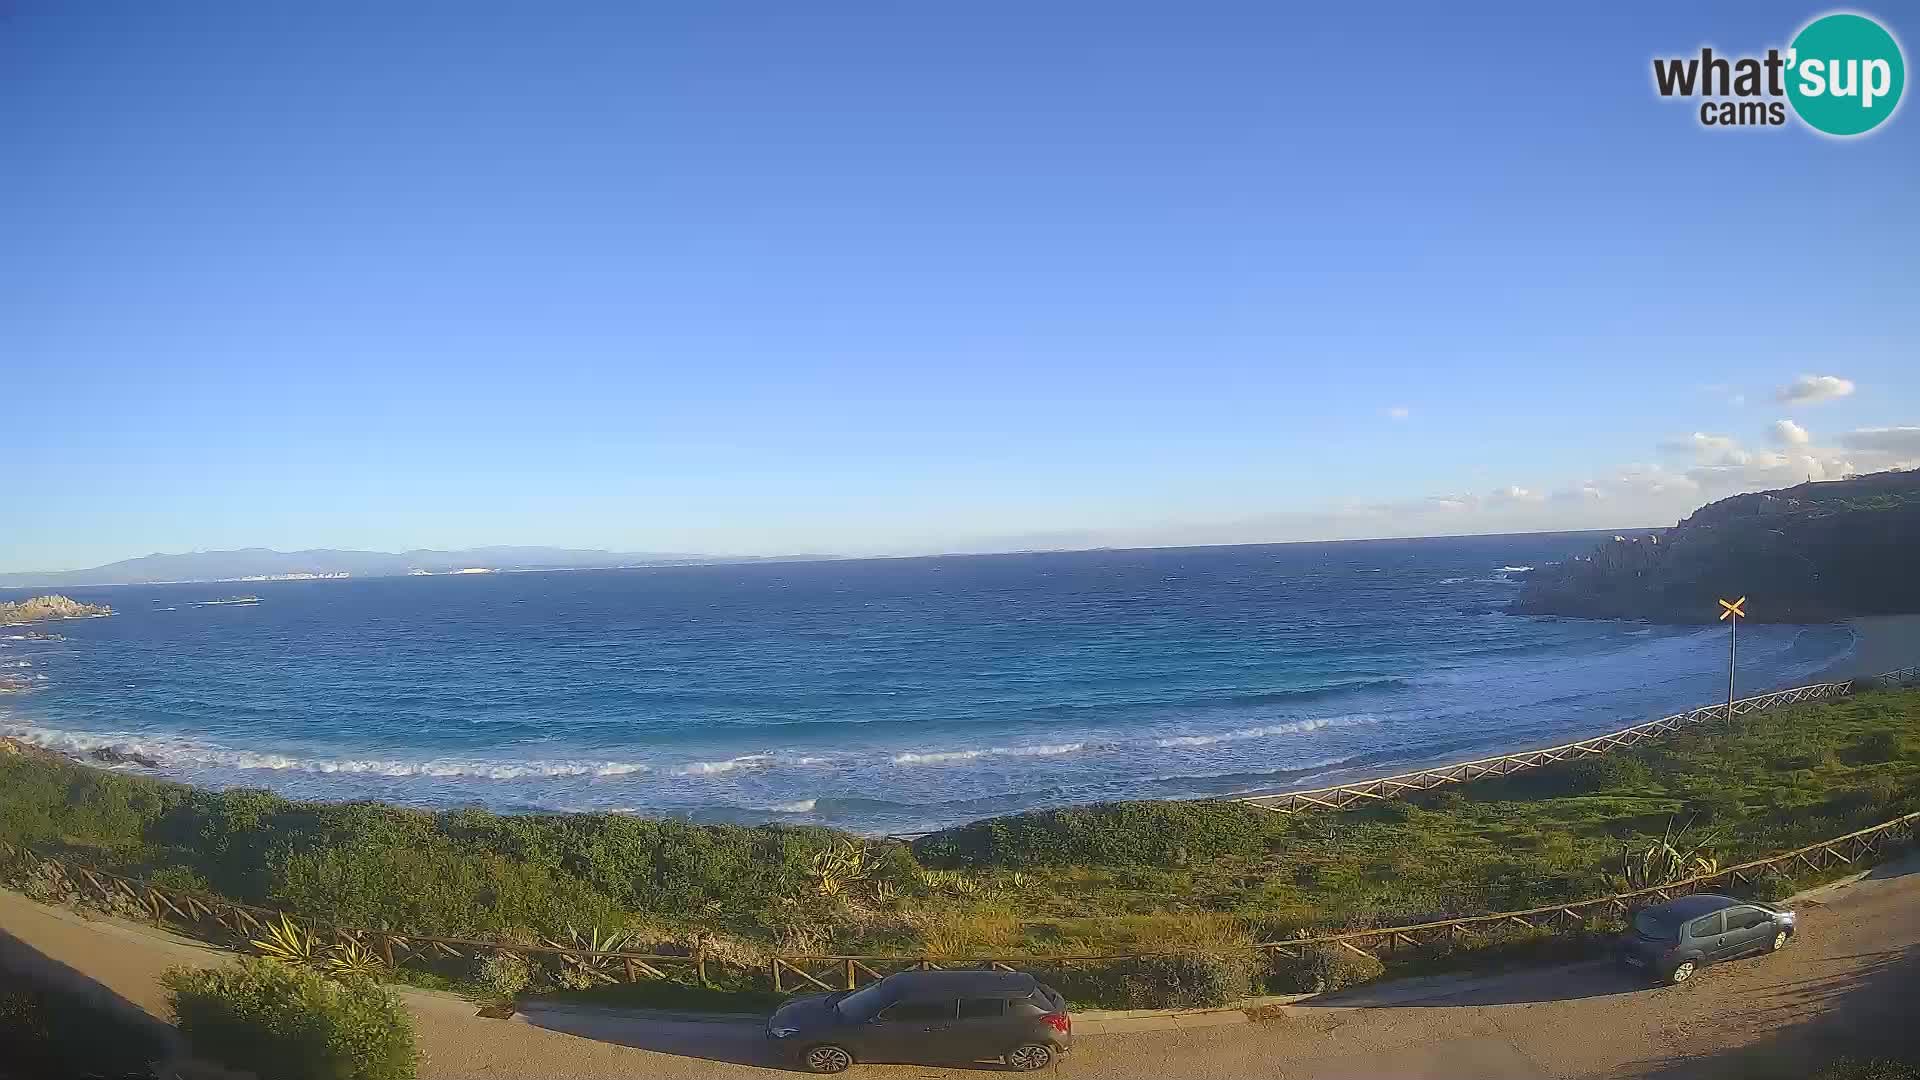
<point>1880,643</point>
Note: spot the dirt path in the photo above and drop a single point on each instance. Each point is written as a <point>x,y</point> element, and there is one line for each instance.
<point>1846,986</point>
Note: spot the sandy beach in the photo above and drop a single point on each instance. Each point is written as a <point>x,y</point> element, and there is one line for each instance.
<point>1881,643</point>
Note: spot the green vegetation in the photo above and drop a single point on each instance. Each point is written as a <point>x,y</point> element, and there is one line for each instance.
<point>1869,1069</point>
<point>291,1023</point>
<point>1826,550</point>
<point>1776,781</point>
<point>1197,878</point>
<point>43,608</point>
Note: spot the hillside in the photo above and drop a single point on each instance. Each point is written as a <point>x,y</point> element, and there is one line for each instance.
<point>266,563</point>
<point>1809,553</point>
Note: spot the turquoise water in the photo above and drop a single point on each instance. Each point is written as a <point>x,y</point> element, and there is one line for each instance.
<point>882,695</point>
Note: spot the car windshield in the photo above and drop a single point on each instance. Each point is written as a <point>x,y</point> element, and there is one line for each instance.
<point>1653,926</point>
<point>863,1005</point>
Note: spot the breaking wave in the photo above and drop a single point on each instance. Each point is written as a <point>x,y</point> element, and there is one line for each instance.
<point>942,757</point>
<point>1269,730</point>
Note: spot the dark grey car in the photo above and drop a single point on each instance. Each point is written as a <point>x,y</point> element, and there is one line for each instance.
<point>927,1017</point>
<point>1671,941</point>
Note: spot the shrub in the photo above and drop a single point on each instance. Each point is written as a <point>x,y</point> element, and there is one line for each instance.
<point>1875,747</point>
<point>291,1023</point>
<point>1176,980</point>
<point>1189,979</point>
<point>1323,968</point>
<point>1110,834</point>
<point>505,974</point>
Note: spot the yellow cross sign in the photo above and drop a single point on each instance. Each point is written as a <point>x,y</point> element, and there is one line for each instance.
<point>1734,609</point>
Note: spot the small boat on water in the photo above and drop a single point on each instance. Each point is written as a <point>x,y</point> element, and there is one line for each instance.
<point>228,600</point>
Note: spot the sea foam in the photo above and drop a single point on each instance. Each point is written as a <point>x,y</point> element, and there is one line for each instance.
<point>1294,727</point>
<point>940,757</point>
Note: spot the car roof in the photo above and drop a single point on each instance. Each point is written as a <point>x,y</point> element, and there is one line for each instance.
<point>963,982</point>
<point>1692,907</point>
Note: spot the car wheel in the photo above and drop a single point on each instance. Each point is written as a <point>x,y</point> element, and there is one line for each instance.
<point>826,1058</point>
<point>1779,941</point>
<point>1030,1057</point>
<point>1681,972</point>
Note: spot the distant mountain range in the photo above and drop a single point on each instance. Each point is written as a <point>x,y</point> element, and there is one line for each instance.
<point>265,563</point>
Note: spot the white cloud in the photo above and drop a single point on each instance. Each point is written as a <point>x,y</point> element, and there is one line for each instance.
<point>1708,449</point>
<point>1514,493</point>
<point>1903,441</point>
<point>1586,492</point>
<point>1788,433</point>
<point>1808,389</point>
<point>1398,412</point>
<point>1653,480</point>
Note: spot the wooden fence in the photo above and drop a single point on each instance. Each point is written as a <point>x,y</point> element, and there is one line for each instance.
<point>236,925</point>
<point>1866,843</point>
<point>222,921</point>
<point>1361,792</point>
<point>1342,796</point>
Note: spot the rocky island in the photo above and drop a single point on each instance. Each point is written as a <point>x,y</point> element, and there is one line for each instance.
<point>48,608</point>
<point>1815,552</point>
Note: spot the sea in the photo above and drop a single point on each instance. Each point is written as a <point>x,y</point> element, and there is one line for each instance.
<point>878,695</point>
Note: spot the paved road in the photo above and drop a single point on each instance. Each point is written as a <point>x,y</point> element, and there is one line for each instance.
<point>1848,985</point>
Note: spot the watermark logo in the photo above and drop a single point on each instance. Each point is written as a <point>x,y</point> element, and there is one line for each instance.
<point>1842,75</point>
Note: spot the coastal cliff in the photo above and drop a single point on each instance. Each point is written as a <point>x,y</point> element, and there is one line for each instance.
<point>48,608</point>
<point>1814,552</point>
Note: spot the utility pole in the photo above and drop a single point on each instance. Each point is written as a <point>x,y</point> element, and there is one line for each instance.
<point>1732,611</point>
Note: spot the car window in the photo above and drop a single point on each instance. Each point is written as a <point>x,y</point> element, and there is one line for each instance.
<point>1705,926</point>
<point>981,1008</point>
<point>862,1005</point>
<point>1653,926</point>
<point>919,1012</point>
<point>1747,918</point>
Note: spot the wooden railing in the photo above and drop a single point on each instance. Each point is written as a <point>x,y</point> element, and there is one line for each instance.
<point>1576,916</point>
<point>1342,796</point>
<point>1361,792</point>
<point>224,922</point>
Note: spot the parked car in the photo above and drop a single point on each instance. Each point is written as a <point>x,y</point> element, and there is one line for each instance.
<point>1671,941</point>
<point>927,1017</point>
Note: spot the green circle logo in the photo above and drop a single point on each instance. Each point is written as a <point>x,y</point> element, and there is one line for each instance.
<point>1845,74</point>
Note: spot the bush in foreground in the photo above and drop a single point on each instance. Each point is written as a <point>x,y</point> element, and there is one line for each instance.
<point>1172,980</point>
<point>292,1024</point>
<point>1324,968</point>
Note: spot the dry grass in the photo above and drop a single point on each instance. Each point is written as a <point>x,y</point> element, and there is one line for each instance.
<point>957,933</point>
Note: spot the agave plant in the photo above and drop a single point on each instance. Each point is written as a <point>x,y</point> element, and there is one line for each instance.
<point>843,864</point>
<point>580,972</point>
<point>1671,859</point>
<point>288,943</point>
<point>353,960</point>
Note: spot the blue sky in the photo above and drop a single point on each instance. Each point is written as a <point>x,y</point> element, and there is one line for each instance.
<point>891,278</point>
